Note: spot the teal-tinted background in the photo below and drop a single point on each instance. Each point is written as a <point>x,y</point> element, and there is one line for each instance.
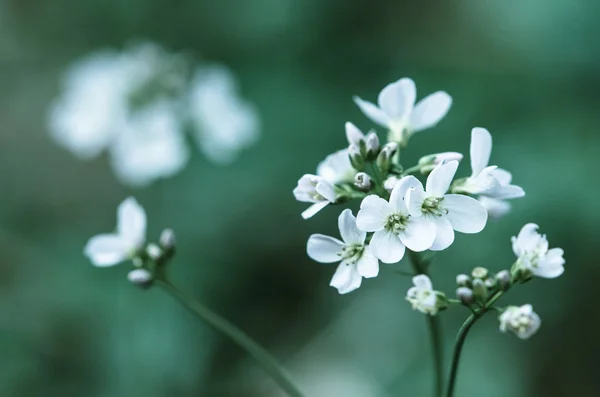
<point>527,71</point>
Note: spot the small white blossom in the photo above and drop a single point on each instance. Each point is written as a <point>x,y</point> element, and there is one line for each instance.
<point>336,168</point>
<point>521,321</point>
<point>448,212</point>
<point>422,296</point>
<point>314,189</point>
<point>356,258</point>
<point>394,228</point>
<point>149,146</point>
<point>534,257</point>
<point>110,249</point>
<point>224,122</point>
<point>141,277</point>
<point>397,111</point>
<point>489,182</point>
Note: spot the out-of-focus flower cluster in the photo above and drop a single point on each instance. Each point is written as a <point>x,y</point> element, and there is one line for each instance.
<point>138,105</point>
<point>400,212</point>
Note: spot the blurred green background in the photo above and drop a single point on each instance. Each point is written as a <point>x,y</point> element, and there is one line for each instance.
<point>527,71</point>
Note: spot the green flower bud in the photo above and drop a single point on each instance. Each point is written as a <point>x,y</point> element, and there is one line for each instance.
<point>480,272</point>
<point>465,295</point>
<point>462,280</point>
<point>356,158</point>
<point>480,291</point>
<point>372,144</point>
<point>362,181</point>
<point>503,279</point>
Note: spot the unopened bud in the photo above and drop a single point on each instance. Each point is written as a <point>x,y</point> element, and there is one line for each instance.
<point>140,277</point>
<point>462,280</point>
<point>480,272</point>
<point>428,163</point>
<point>372,144</point>
<point>480,291</point>
<point>390,183</point>
<point>384,159</point>
<point>356,158</point>
<point>503,279</point>
<point>154,251</point>
<point>490,282</point>
<point>167,239</point>
<point>362,181</point>
<point>465,295</point>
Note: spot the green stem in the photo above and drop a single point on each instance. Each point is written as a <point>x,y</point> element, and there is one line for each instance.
<point>460,341</point>
<point>435,333</point>
<point>269,364</point>
<point>411,170</point>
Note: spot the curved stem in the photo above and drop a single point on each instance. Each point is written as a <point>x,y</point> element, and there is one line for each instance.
<point>435,333</point>
<point>460,341</point>
<point>268,363</point>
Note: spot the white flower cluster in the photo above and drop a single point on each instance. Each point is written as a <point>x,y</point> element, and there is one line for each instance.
<point>136,105</point>
<point>396,207</point>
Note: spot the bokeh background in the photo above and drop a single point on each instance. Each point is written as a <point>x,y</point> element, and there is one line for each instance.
<point>527,71</point>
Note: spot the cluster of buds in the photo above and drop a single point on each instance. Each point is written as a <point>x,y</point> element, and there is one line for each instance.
<point>476,289</point>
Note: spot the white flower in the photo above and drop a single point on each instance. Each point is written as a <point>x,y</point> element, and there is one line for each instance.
<point>533,254</point>
<point>336,168</point>
<point>496,208</point>
<point>110,249</point>
<point>150,146</point>
<point>397,110</point>
<point>394,228</point>
<point>314,189</point>
<point>422,296</point>
<point>521,321</point>
<point>356,258</point>
<point>490,182</point>
<point>448,212</point>
<point>224,122</point>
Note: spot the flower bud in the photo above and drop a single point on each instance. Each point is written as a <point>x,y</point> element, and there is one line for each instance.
<point>465,295</point>
<point>140,277</point>
<point>490,282</point>
<point>480,272</point>
<point>362,181</point>
<point>384,159</point>
<point>503,279</point>
<point>372,144</point>
<point>356,158</point>
<point>428,163</point>
<point>390,182</point>
<point>167,239</point>
<point>154,251</point>
<point>462,280</point>
<point>480,291</point>
<point>521,321</point>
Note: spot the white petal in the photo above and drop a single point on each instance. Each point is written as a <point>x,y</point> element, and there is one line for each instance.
<point>495,208</point>
<point>373,213</point>
<point>350,233</point>
<point>107,250</point>
<point>527,240</point>
<point>398,195</point>
<point>548,272</point>
<point>387,247</point>
<point>326,190</point>
<point>503,176</point>
<point>353,134</point>
<point>323,248</point>
<point>466,214</point>
<point>377,115</point>
<point>430,110</point>
<point>131,222</point>
<point>422,282</point>
<point>346,278</point>
<point>414,201</point>
<point>444,233</point>
<point>481,149</point>
<point>419,234</point>
<point>336,168</point>
<point>313,209</point>
<point>440,178</point>
<point>506,192</point>
<point>306,186</point>
<point>551,265</point>
<point>368,265</point>
<point>397,99</point>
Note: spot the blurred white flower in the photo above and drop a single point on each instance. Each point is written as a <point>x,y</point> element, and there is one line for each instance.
<point>110,249</point>
<point>314,189</point>
<point>521,321</point>
<point>390,182</point>
<point>394,228</point>
<point>397,110</point>
<point>534,257</point>
<point>422,296</point>
<point>356,258</point>
<point>336,168</point>
<point>490,182</point>
<point>149,146</point>
<point>448,212</point>
<point>224,123</point>
<point>428,163</point>
<point>366,145</point>
<point>496,208</point>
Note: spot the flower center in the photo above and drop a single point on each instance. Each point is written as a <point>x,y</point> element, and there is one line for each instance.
<point>433,206</point>
<point>396,223</point>
<point>351,253</point>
